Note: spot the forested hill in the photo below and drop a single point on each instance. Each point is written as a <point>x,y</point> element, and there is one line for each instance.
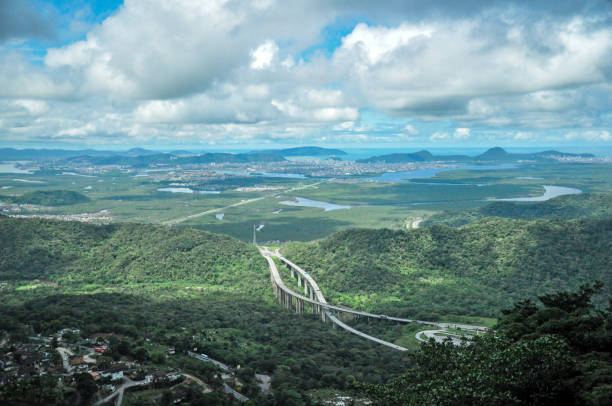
<point>48,198</point>
<point>596,205</point>
<point>69,252</point>
<point>477,269</point>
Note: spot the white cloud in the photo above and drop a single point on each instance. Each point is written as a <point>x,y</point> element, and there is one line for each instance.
<point>249,70</point>
<point>410,129</point>
<point>590,135</point>
<point>34,107</point>
<point>264,55</point>
<point>79,131</point>
<point>523,136</point>
<point>439,136</point>
<point>461,133</point>
<point>374,44</point>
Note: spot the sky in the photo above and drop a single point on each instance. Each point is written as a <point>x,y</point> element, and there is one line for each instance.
<point>244,74</point>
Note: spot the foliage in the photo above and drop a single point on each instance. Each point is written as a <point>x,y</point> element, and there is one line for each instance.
<point>595,205</point>
<point>525,360</point>
<point>48,198</point>
<point>476,270</point>
<point>70,252</point>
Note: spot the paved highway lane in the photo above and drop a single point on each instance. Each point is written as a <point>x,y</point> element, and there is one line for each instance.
<point>320,301</point>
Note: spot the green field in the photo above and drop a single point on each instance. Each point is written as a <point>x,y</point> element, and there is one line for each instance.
<point>128,198</point>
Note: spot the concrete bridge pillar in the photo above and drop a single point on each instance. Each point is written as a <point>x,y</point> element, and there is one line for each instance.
<point>306,288</point>
<point>311,294</point>
<point>299,279</point>
<point>292,273</point>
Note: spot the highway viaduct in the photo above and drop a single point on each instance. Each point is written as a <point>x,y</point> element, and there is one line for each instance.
<point>319,306</point>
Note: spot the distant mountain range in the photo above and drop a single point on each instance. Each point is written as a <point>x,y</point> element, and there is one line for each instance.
<point>139,157</point>
<point>12,154</point>
<point>304,151</point>
<point>143,157</point>
<point>496,154</point>
<point>143,161</point>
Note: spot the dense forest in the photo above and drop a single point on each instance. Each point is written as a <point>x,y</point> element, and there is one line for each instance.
<point>48,198</point>
<point>71,252</point>
<point>477,269</point>
<point>555,352</point>
<point>178,288</point>
<point>596,205</point>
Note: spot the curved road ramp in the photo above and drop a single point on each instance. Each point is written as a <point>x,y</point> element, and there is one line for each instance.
<point>319,306</point>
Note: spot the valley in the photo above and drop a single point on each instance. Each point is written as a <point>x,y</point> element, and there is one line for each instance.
<point>154,262</point>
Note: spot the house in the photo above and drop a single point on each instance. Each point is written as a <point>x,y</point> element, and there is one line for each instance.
<point>114,375</point>
<point>75,360</point>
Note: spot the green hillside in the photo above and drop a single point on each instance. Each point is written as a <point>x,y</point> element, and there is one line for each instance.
<point>49,198</point>
<point>596,205</point>
<point>179,288</point>
<point>474,270</point>
<point>70,252</point>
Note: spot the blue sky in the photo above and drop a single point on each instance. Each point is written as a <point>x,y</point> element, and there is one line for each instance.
<point>247,74</point>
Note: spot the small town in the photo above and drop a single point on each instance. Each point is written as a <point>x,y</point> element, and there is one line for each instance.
<point>76,370</point>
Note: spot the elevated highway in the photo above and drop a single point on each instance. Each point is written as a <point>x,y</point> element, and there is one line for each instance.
<point>314,297</point>
<point>287,297</point>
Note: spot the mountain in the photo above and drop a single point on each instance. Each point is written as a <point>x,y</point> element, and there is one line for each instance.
<point>597,205</point>
<point>420,156</point>
<point>156,288</point>
<point>11,154</point>
<point>138,152</point>
<point>496,154</point>
<point>48,198</point>
<point>143,161</point>
<point>121,253</point>
<point>476,270</point>
<point>304,151</point>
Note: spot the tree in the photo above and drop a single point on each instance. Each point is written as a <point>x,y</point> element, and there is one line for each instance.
<point>86,385</point>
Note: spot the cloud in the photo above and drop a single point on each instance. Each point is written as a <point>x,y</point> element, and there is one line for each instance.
<point>21,19</point>
<point>264,55</point>
<point>271,70</point>
<point>461,133</point>
<point>411,130</point>
<point>439,136</point>
<point>450,68</point>
<point>590,135</point>
<point>33,107</point>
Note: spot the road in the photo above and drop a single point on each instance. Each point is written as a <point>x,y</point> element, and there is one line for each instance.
<point>220,364</point>
<point>240,203</point>
<point>237,395</point>
<point>127,383</point>
<point>371,315</point>
<point>228,389</point>
<point>65,353</point>
<point>320,301</point>
<point>426,335</point>
<point>199,382</point>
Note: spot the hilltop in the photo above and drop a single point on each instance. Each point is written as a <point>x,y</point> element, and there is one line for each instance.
<point>71,252</point>
<point>496,154</point>
<point>142,161</point>
<point>48,198</point>
<point>595,205</point>
<point>160,288</point>
<point>476,270</point>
